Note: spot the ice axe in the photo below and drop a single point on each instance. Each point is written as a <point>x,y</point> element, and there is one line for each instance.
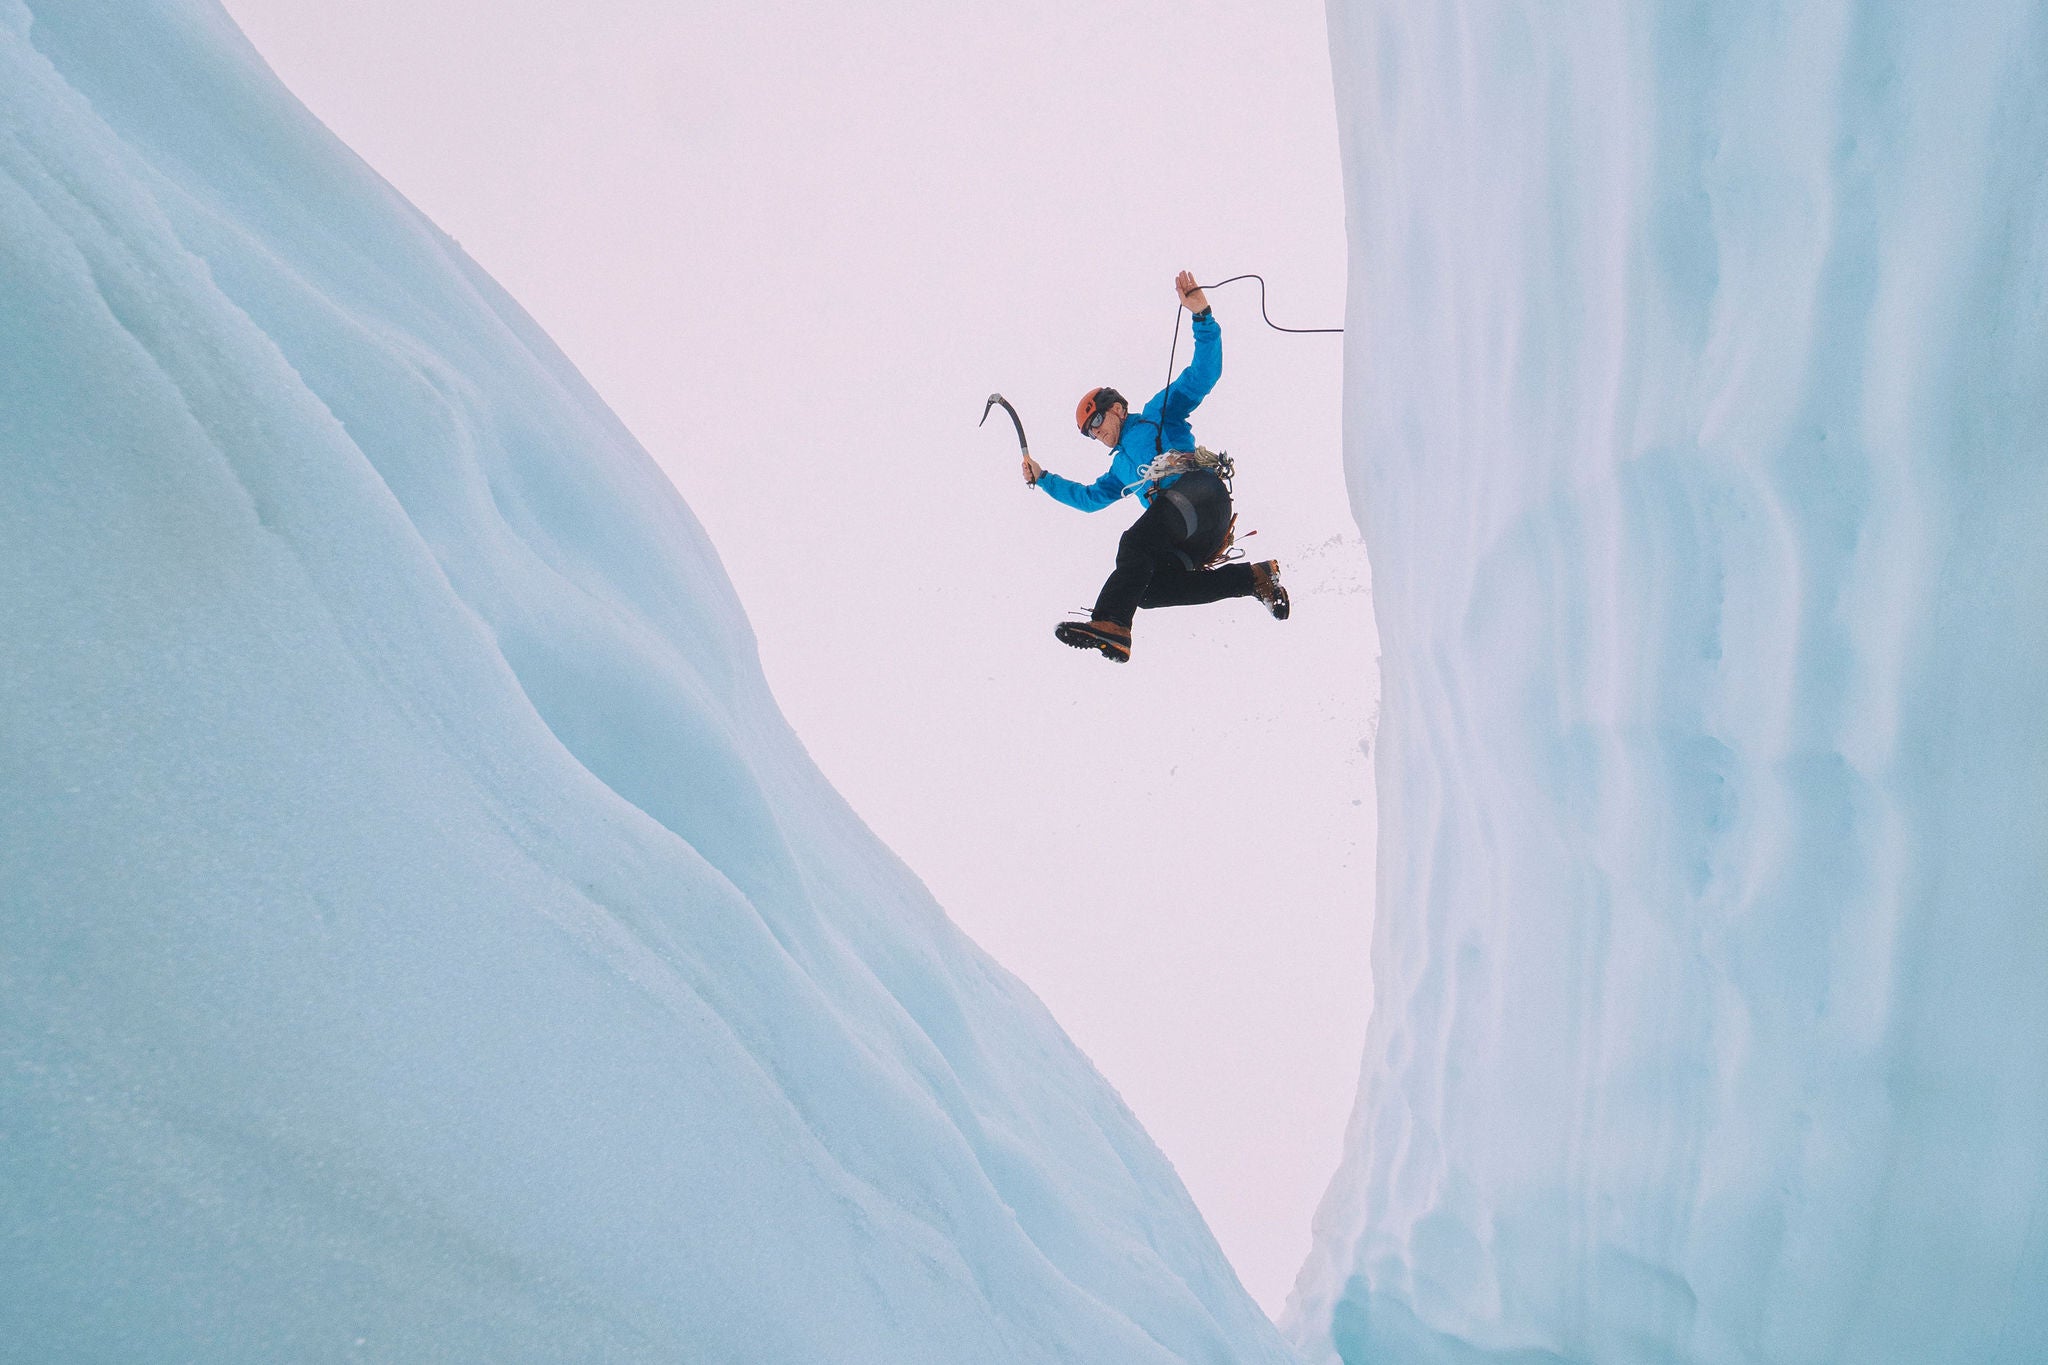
<point>1015,420</point>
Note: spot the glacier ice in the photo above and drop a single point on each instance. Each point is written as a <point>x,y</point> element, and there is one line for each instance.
<point>420,937</point>
<point>1697,420</point>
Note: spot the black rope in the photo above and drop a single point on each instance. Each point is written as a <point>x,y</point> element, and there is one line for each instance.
<point>1173,351</point>
<point>1172,354</point>
<point>1262,305</point>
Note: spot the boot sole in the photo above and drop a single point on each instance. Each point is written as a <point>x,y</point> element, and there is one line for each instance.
<point>1080,637</point>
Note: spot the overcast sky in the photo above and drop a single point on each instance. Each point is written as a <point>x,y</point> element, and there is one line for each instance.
<point>796,248</point>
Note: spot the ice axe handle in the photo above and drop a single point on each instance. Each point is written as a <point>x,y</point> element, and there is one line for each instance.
<point>1015,420</point>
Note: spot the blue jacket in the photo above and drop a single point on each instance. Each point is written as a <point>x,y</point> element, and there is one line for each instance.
<point>1163,425</point>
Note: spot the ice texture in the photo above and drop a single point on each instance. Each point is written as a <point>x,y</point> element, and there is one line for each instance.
<point>421,938</point>
<point>1697,420</point>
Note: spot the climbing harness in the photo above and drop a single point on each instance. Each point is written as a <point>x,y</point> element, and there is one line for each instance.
<point>1167,465</point>
<point>1173,464</point>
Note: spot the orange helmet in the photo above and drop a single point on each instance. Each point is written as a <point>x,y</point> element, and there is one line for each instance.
<point>1095,406</point>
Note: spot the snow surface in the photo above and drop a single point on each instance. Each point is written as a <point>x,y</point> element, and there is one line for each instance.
<point>1697,419</point>
<point>420,936</point>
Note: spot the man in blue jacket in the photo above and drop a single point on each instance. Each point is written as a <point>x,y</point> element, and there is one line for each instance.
<point>1168,557</point>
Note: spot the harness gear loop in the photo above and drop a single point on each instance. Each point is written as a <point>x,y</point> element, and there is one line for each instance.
<point>1178,462</point>
<point>1173,463</point>
<point>1225,552</point>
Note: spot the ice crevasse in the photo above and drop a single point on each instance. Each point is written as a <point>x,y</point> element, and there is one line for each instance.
<point>1697,421</point>
<point>420,936</point>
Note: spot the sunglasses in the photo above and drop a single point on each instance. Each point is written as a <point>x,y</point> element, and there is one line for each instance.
<point>1095,421</point>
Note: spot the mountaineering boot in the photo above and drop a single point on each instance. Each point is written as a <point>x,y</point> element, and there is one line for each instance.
<point>1112,639</point>
<point>1266,587</point>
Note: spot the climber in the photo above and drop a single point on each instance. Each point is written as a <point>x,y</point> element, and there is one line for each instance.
<point>1172,555</point>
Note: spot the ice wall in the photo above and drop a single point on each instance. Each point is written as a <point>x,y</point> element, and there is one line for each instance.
<point>420,937</point>
<point>1698,424</point>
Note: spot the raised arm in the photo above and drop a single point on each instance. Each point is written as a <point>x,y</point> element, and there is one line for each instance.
<point>1192,384</point>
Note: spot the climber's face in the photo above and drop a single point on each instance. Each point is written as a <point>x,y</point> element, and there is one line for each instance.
<point>1112,425</point>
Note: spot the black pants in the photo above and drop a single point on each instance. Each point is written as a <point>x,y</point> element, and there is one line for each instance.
<point>1158,560</point>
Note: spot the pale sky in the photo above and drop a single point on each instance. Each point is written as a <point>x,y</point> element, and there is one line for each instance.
<point>796,249</point>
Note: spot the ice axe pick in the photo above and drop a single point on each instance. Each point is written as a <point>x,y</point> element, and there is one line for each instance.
<point>1015,420</point>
